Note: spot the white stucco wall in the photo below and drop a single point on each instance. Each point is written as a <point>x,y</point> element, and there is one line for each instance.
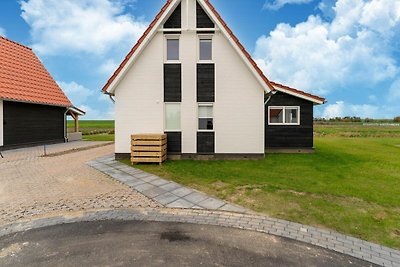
<point>1,123</point>
<point>239,106</point>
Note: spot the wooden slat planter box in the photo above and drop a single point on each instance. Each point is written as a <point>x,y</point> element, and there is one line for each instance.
<point>149,148</point>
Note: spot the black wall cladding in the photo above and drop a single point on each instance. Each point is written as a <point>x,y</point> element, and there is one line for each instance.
<point>30,123</point>
<point>205,142</point>
<point>202,19</point>
<point>290,136</point>
<point>174,142</point>
<point>172,83</point>
<point>175,20</point>
<point>205,83</point>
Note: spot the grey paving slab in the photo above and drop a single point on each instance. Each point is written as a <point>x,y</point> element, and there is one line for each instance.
<point>143,187</point>
<point>180,203</point>
<point>182,191</point>
<point>166,198</point>
<point>159,182</point>
<point>153,192</point>
<point>170,186</point>
<point>195,197</point>
<point>211,203</point>
<point>147,179</point>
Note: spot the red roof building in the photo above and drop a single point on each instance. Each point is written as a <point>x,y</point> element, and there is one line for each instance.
<point>33,107</point>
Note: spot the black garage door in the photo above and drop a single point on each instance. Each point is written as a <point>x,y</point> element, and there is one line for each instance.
<point>31,123</point>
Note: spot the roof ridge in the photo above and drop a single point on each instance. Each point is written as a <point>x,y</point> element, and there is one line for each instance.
<point>11,41</point>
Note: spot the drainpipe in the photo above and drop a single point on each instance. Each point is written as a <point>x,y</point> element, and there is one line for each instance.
<point>112,99</point>
<point>269,97</point>
<point>65,126</point>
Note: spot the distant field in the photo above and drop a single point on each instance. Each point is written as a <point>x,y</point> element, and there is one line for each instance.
<point>94,130</point>
<point>357,130</point>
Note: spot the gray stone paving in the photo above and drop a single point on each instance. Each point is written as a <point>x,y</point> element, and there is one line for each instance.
<point>323,238</point>
<point>167,193</point>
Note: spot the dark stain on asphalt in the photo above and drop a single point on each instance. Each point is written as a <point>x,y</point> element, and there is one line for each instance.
<point>174,236</point>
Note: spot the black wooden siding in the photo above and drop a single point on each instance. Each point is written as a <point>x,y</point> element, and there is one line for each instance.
<point>206,143</point>
<point>172,83</point>
<point>30,123</point>
<point>203,20</point>
<point>174,142</point>
<point>205,83</point>
<point>175,20</point>
<point>290,136</point>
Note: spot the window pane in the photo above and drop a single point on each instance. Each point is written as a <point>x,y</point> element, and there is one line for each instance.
<point>205,49</point>
<point>206,124</point>
<point>205,111</point>
<point>291,115</point>
<point>172,49</point>
<point>276,115</point>
<point>172,116</point>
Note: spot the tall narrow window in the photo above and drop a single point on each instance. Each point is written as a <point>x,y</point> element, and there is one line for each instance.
<point>206,117</point>
<point>173,49</point>
<point>205,49</point>
<point>172,116</point>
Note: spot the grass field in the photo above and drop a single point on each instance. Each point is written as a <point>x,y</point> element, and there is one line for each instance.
<point>94,130</point>
<point>351,184</point>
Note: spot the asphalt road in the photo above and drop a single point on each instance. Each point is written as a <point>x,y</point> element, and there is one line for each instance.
<point>114,243</point>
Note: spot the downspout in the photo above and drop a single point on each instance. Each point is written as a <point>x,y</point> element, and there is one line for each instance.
<point>112,99</point>
<point>270,94</point>
<point>65,126</point>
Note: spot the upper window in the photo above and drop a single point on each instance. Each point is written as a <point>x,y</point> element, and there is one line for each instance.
<point>205,49</point>
<point>173,49</point>
<point>206,117</point>
<point>284,115</point>
<point>172,116</point>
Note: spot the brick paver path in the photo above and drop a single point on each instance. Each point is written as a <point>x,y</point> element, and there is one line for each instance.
<point>32,185</point>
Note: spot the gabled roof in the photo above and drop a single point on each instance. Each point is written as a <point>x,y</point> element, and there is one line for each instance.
<point>268,85</point>
<point>24,78</point>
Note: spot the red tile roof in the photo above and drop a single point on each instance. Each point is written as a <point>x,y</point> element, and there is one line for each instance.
<point>296,91</point>
<point>24,78</point>
<point>230,32</point>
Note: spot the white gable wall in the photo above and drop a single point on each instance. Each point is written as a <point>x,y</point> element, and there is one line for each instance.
<point>1,123</point>
<point>139,97</point>
<point>239,103</point>
<point>238,108</point>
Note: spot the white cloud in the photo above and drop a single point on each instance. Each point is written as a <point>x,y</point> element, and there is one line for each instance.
<point>2,32</point>
<point>108,67</point>
<point>78,94</point>
<point>98,114</point>
<point>278,4</point>
<point>342,109</point>
<point>352,51</point>
<point>91,26</point>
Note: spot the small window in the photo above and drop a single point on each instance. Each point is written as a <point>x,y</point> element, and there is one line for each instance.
<point>172,49</point>
<point>284,115</point>
<point>172,116</point>
<point>206,117</point>
<point>206,49</point>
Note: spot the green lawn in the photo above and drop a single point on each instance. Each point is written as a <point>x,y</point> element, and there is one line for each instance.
<point>88,127</point>
<point>99,137</point>
<point>351,185</point>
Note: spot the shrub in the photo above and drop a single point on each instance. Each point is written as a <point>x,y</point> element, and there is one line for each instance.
<point>397,119</point>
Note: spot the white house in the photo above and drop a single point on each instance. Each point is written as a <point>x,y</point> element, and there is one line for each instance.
<point>190,77</point>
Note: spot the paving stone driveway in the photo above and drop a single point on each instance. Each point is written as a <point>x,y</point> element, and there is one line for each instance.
<point>32,185</point>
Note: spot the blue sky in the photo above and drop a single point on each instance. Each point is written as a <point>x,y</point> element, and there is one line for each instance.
<point>345,50</point>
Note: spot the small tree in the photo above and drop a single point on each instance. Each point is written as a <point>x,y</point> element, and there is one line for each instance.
<point>397,119</point>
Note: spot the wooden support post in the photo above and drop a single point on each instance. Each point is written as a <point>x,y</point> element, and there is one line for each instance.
<point>76,123</point>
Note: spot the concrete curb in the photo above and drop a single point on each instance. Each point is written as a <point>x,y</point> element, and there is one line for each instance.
<point>323,238</point>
